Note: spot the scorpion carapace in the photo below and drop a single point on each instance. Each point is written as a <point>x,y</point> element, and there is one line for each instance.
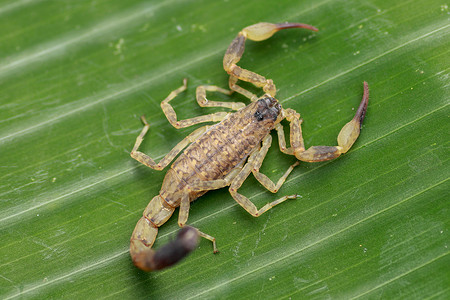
<point>225,154</point>
<point>267,108</point>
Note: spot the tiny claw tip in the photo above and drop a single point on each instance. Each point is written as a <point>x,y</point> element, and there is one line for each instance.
<point>281,26</point>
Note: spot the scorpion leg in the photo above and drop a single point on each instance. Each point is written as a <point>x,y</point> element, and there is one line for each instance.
<point>148,161</point>
<point>206,186</point>
<point>347,136</point>
<point>256,32</point>
<point>172,116</point>
<point>183,216</point>
<point>255,160</point>
<point>263,179</point>
<point>203,102</point>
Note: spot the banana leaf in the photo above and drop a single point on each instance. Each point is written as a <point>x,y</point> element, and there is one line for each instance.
<point>75,76</point>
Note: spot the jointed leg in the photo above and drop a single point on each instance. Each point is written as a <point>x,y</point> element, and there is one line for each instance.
<point>263,179</point>
<point>256,32</point>
<point>203,102</point>
<point>172,116</point>
<point>255,160</point>
<point>182,219</point>
<point>148,161</point>
<point>205,186</point>
<point>347,136</point>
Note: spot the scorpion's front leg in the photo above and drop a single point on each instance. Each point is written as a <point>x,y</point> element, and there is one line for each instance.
<point>263,179</point>
<point>203,102</point>
<point>347,136</point>
<point>256,32</point>
<point>172,116</point>
<point>253,164</point>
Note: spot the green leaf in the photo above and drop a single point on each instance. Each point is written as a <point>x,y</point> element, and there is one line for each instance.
<point>76,75</point>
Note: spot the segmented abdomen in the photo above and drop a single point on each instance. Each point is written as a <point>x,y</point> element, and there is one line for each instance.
<point>215,153</point>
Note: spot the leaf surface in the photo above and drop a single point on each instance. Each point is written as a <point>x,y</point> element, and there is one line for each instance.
<point>76,75</point>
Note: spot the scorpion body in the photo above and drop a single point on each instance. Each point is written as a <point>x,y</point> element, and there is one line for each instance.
<point>210,157</point>
<point>224,154</point>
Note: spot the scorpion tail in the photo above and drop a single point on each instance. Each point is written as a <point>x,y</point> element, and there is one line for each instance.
<point>148,259</point>
<point>143,237</point>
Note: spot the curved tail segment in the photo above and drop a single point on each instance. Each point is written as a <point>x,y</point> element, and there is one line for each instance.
<point>144,235</point>
<point>148,259</point>
<point>256,32</point>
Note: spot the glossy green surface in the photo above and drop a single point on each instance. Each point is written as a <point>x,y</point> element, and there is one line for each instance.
<point>76,75</point>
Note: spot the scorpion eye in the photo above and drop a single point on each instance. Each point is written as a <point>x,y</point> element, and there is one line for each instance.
<point>259,116</point>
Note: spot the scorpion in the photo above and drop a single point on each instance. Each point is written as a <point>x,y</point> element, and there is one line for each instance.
<point>226,153</point>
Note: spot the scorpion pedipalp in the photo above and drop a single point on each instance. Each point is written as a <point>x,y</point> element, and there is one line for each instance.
<point>346,138</point>
<point>257,32</point>
<point>262,31</point>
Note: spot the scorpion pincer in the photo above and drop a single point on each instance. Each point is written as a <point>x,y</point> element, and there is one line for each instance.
<point>226,153</point>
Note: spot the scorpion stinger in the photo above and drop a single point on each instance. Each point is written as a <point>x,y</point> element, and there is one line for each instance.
<point>147,259</point>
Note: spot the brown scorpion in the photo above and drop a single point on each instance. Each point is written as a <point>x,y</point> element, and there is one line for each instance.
<point>226,153</point>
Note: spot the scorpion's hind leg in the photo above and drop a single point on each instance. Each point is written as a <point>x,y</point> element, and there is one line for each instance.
<point>202,186</point>
<point>144,234</point>
<point>256,32</point>
<point>347,136</point>
<point>182,219</point>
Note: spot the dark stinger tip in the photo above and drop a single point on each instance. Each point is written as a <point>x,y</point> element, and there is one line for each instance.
<point>188,238</point>
<point>176,250</point>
